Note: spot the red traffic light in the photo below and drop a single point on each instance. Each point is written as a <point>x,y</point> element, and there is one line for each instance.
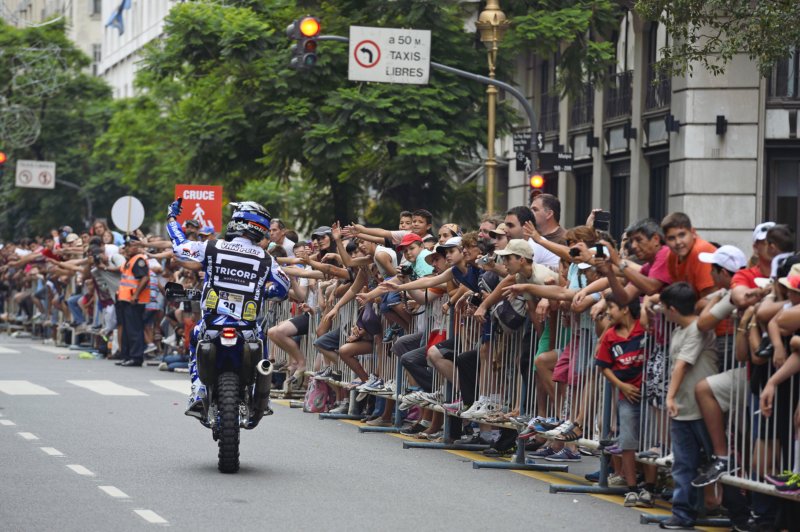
<point>537,181</point>
<point>309,27</point>
<point>3,157</point>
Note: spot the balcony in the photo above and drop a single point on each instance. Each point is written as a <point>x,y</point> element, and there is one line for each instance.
<point>582,109</point>
<point>659,90</point>
<point>549,117</point>
<point>617,95</point>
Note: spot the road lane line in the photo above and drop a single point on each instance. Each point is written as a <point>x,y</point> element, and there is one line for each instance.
<point>182,386</point>
<point>28,436</point>
<point>151,517</point>
<point>7,422</point>
<point>24,388</point>
<point>114,492</point>
<point>52,451</point>
<point>103,387</point>
<point>7,351</point>
<point>79,469</point>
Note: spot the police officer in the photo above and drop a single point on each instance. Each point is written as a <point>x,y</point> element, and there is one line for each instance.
<point>238,276</point>
<point>132,295</point>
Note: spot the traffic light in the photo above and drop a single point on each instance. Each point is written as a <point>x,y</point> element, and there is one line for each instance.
<point>537,181</point>
<point>3,159</point>
<point>305,31</point>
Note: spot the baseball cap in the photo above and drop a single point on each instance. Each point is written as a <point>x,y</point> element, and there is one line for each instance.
<point>429,237</point>
<point>500,230</point>
<point>452,242</point>
<point>432,255</point>
<point>408,239</point>
<point>729,257</point>
<point>454,228</point>
<point>192,222</point>
<point>322,230</point>
<point>760,232</point>
<point>792,281</point>
<point>207,230</point>
<point>72,237</point>
<point>517,246</point>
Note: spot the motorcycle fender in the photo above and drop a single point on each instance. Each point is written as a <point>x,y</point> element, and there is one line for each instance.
<point>207,362</point>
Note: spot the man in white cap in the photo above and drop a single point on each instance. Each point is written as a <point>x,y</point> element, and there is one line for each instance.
<point>744,288</point>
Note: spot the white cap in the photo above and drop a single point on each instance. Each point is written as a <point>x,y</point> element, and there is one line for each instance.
<point>452,242</point>
<point>760,232</point>
<point>729,257</point>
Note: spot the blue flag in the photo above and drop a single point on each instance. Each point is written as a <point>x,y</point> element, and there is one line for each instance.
<point>116,21</point>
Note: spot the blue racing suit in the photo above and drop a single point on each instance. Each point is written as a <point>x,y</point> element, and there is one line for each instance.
<point>239,277</point>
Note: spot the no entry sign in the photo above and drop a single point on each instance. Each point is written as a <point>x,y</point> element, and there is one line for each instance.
<point>202,203</point>
<point>389,55</point>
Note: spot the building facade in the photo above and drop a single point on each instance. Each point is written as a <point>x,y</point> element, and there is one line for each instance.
<point>724,149</point>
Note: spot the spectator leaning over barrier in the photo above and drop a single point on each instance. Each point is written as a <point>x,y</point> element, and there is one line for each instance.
<point>420,225</point>
<point>547,213</point>
<point>693,357</point>
<point>685,247</point>
<point>515,222</point>
<point>277,234</point>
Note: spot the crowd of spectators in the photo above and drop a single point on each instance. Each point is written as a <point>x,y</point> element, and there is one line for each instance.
<point>689,332</point>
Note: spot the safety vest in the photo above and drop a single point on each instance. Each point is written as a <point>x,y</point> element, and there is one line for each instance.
<point>128,283</point>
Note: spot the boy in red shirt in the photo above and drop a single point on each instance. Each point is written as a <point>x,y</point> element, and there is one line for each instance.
<point>620,354</point>
<point>685,247</point>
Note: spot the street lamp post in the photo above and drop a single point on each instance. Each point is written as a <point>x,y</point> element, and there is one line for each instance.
<point>492,25</point>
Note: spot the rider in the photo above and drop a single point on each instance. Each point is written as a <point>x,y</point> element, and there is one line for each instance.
<point>237,274</point>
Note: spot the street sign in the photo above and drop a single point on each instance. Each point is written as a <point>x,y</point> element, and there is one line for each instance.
<point>558,162</point>
<point>523,162</point>
<point>36,174</point>
<point>127,214</point>
<point>522,139</point>
<point>540,141</point>
<point>202,203</point>
<point>389,55</point>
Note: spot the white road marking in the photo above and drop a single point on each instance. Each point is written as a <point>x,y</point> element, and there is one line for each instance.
<point>7,351</point>
<point>107,388</point>
<point>151,517</point>
<point>53,349</point>
<point>79,469</point>
<point>7,422</point>
<point>28,436</point>
<point>181,386</point>
<point>52,451</point>
<point>24,388</point>
<point>114,492</point>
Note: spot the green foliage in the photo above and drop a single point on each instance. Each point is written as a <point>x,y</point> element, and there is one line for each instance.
<point>709,33</point>
<point>71,118</point>
<point>580,32</point>
<point>221,105</point>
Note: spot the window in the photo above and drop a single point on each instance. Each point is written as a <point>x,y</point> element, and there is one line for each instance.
<point>583,195</point>
<point>620,181</point>
<point>785,78</point>
<point>783,183</point>
<point>96,7</point>
<point>659,187</point>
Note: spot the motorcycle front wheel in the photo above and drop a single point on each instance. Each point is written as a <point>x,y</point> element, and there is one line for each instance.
<point>228,405</point>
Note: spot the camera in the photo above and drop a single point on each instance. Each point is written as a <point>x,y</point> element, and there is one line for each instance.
<point>486,259</point>
<point>475,300</point>
<point>599,251</point>
<point>407,270</point>
<point>574,252</point>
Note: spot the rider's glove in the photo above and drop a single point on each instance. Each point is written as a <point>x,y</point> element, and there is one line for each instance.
<point>174,208</point>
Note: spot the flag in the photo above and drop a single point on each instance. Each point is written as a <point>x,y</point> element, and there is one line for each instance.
<point>116,21</point>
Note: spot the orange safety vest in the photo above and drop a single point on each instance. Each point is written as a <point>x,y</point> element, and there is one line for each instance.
<point>128,283</point>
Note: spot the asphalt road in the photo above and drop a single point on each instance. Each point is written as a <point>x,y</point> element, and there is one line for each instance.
<point>86,445</point>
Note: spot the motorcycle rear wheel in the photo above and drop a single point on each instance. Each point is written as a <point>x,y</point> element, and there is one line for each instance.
<point>228,405</point>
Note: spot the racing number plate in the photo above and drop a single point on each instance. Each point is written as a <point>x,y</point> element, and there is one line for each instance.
<point>230,304</point>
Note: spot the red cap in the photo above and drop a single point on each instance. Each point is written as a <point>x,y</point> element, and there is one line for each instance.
<point>409,239</point>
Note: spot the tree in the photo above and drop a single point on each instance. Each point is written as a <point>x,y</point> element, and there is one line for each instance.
<point>43,71</point>
<point>220,93</point>
<point>709,33</point>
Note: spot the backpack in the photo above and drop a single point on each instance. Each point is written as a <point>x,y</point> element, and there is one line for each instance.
<point>510,315</point>
<point>319,397</point>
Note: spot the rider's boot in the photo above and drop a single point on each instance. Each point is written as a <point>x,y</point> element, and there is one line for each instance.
<point>196,398</point>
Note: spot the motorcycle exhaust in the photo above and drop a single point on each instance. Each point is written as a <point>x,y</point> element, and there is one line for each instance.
<point>260,392</point>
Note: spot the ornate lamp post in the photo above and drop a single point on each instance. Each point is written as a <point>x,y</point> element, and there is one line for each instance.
<point>492,25</point>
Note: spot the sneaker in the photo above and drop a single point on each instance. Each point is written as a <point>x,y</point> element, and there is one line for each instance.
<point>416,428</point>
<point>433,398</point>
<point>544,452</point>
<point>474,408</point>
<point>483,410</point>
<point>374,386</point>
<point>343,408</point>
<point>151,348</point>
<point>324,373</point>
<point>163,367</point>
<point>379,422</point>
<point>710,473</point>
<point>592,477</point>
<point>645,499</point>
<point>613,449</point>
<point>673,523</point>
<point>434,435</point>
<point>372,378</point>
<point>631,499</point>
<point>564,455</point>
<point>453,408</point>
<point>616,481</point>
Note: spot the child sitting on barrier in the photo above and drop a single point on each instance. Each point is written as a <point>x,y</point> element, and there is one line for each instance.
<point>620,354</point>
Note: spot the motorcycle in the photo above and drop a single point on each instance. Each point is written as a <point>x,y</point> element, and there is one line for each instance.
<point>237,380</point>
